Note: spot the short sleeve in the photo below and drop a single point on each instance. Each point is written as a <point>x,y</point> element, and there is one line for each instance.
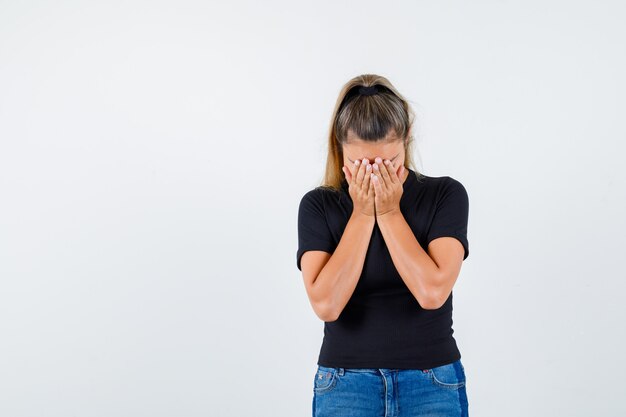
<point>313,230</point>
<point>451,214</point>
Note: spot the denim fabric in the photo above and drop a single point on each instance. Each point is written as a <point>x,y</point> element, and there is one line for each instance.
<point>374,392</point>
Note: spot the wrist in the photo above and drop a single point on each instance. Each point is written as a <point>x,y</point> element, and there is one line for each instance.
<point>390,214</point>
<point>361,217</point>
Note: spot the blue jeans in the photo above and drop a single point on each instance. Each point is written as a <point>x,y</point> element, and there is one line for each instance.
<point>373,392</point>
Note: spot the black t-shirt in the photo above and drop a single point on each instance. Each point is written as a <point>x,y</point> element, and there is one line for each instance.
<point>383,325</point>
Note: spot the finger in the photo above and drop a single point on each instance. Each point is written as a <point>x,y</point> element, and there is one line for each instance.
<point>346,173</point>
<point>361,173</point>
<point>377,185</point>
<point>352,168</point>
<point>378,168</point>
<point>393,174</point>
<point>355,172</point>
<point>366,179</point>
<point>389,182</point>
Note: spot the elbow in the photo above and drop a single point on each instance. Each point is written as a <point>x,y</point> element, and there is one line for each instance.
<point>330,318</point>
<point>431,304</point>
<point>325,312</point>
<point>433,300</point>
<point>325,307</point>
<point>435,295</point>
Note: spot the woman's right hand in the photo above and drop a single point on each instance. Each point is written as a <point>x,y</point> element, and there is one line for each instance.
<point>361,187</point>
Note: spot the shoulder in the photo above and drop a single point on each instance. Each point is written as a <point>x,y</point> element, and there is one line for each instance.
<point>315,194</point>
<point>453,184</point>
<point>444,189</point>
<point>452,192</point>
<point>440,184</point>
<point>319,199</point>
<point>445,184</point>
<point>319,194</point>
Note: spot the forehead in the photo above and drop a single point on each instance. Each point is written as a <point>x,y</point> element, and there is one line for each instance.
<point>362,149</point>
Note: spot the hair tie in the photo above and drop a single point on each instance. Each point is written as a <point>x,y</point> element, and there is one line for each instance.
<point>368,91</point>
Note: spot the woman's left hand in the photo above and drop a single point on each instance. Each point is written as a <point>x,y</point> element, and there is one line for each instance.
<point>387,186</point>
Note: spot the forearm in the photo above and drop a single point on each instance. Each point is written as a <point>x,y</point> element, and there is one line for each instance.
<point>338,279</point>
<point>416,268</point>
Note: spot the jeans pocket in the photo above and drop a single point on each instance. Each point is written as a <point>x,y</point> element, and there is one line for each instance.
<point>449,376</point>
<point>325,379</point>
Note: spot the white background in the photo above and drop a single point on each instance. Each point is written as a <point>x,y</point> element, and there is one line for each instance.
<point>153,155</point>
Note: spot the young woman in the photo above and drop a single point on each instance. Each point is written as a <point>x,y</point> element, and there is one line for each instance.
<point>380,247</point>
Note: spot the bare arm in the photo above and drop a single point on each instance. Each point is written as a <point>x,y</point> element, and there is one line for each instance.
<point>330,280</point>
<point>429,276</point>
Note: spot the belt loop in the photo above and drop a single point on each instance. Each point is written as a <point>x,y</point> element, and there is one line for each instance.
<point>340,371</point>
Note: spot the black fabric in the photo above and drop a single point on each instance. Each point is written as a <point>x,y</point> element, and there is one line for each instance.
<point>383,325</point>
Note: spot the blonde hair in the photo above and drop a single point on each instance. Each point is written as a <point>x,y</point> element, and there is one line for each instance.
<point>370,118</point>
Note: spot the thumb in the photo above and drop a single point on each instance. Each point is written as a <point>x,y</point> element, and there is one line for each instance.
<point>347,173</point>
